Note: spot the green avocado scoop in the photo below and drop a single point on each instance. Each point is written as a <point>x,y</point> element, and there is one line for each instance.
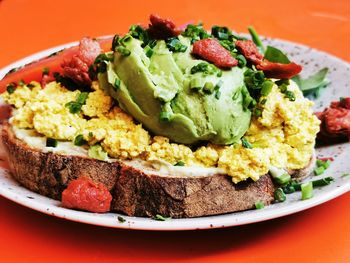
<point>176,95</point>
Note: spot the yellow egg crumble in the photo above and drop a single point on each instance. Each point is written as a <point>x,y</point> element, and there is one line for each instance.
<point>283,136</point>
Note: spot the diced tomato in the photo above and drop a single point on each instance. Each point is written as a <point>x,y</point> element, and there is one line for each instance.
<point>34,70</point>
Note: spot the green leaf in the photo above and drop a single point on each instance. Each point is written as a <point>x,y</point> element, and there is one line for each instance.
<point>275,55</point>
<point>312,82</point>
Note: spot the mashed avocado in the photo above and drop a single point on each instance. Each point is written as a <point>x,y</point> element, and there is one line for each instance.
<point>176,95</point>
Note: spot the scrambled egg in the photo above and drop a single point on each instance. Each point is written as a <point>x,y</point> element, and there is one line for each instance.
<point>283,136</point>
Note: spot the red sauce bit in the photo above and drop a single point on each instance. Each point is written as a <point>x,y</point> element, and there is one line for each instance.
<point>85,194</point>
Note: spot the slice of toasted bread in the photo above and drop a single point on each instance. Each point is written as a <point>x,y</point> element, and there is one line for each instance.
<point>136,191</point>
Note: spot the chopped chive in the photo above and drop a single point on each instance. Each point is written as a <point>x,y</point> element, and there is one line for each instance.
<point>91,134</point>
<point>217,94</point>
<point>288,189</point>
<point>175,45</point>
<point>45,71</point>
<point>116,85</point>
<point>259,205</point>
<point>75,106</point>
<point>266,87</point>
<point>241,60</point>
<point>307,190</point>
<point>121,219</point>
<point>81,98</point>
<point>196,84</point>
<point>323,182</point>
<point>279,195</point>
<point>30,85</point>
<point>219,74</point>
<point>148,51</point>
<point>180,163</point>
<point>79,140</point>
<point>10,88</point>
<point>280,176</point>
<point>208,87</point>
<point>319,170</point>
<point>165,116</point>
<point>50,142</point>
<point>21,83</point>
<point>256,39</point>
<point>246,144</point>
<point>123,51</point>
<point>290,95</point>
<point>345,175</point>
<point>161,218</point>
<point>257,112</point>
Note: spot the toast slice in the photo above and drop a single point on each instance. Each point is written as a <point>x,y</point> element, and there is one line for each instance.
<point>137,190</point>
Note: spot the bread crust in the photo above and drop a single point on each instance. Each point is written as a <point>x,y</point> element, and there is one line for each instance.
<point>136,192</point>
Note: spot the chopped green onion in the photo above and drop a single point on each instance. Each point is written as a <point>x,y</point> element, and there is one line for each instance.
<point>75,106</point>
<point>79,140</point>
<point>288,189</point>
<point>259,205</point>
<point>21,83</point>
<point>345,175</point>
<point>280,176</point>
<point>10,88</point>
<point>217,94</point>
<point>323,182</point>
<point>205,68</point>
<point>96,151</point>
<point>257,112</point>
<point>50,142</point>
<point>241,61</point>
<point>246,144</point>
<point>148,51</point>
<point>175,45</point>
<point>30,85</point>
<point>46,71</point>
<point>279,195</point>
<point>82,97</point>
<point>195,32</point>
<point>123,51</point>
<point>208,87</point>
<point>266,87</point>
<point>116,85</point>
<point>307,190</point>
<point>165,116</point>
<point>290,95</point>
<point>161,218</point>
<point>219,74</point>
<point>319,170</point>
<point>121,219</point>
<point>196,84</point>
<point>180,163</point>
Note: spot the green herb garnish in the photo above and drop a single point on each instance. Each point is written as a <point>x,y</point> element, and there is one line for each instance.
<point>175,45</point>
<point>50,142</point>
<point>123,51</point>
<point>275,55</point>
<point>195,32</point>
<point>10,88</point>
<point>121,219</point>
<point>259,205</point>
<point>279,195</point>
<point>180,163</point>
<point>79,140</point>
<point>246,144</point>
<point>161,218</point>
<point>205,68</point>
<point>75,106</point>
<point>306,191</point>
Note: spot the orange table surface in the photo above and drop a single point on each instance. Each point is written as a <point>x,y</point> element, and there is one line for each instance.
<point>320,234</point>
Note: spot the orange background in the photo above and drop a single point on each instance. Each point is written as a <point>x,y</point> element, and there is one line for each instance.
<point>320,234</point>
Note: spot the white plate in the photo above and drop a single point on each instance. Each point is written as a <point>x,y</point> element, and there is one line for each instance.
<point>312,60</point>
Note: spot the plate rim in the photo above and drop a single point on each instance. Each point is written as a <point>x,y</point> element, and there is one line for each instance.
<point>140,223</point>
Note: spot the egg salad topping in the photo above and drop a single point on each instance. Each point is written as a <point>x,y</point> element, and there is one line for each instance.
<point>283,136</point>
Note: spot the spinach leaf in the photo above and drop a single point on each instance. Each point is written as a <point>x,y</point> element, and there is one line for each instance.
<point>275,55</point>
<point>313,85</point>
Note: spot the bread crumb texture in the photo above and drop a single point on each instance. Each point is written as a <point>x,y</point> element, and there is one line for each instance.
<point>284,135</point>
